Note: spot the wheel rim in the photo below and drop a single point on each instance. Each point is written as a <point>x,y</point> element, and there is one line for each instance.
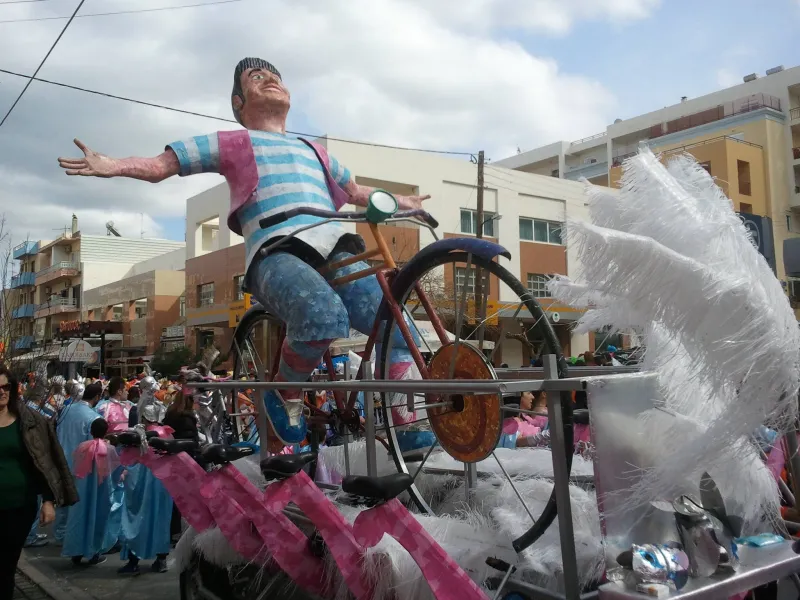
<point>424,462</point>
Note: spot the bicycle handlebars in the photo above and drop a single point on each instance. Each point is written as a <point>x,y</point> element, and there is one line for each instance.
<point>276,219</point>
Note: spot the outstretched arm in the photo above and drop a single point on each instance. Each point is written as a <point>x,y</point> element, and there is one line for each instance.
<point>359,196</point>
<point>94,164</point>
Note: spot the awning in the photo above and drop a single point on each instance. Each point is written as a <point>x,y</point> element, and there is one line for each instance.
<point>358,341</point>
<point>39,355</point>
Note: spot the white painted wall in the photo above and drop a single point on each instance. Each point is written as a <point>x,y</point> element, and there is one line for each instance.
<point>169,261</point>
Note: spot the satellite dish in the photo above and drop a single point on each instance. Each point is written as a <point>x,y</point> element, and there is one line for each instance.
<point>555,317</point>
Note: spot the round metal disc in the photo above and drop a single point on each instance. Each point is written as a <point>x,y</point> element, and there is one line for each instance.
<point>470,429</point>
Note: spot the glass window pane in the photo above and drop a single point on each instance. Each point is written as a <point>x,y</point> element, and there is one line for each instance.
<point>525,229</point>
<point>540,231</point>
<point>466,221</point>
<point>488,224</point>
<point>555,233</point>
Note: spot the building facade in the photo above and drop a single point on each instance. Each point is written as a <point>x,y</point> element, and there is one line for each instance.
<point>746,136</point>
<point>523,212</point>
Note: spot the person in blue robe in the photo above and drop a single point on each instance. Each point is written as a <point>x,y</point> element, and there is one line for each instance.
<point>146,514</point>
<point>87,534</point>
<point>72,429</point>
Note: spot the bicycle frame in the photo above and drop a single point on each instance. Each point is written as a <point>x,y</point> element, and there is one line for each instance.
<point>384,273</point>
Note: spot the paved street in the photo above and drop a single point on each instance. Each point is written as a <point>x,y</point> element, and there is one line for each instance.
<point>64,581</point>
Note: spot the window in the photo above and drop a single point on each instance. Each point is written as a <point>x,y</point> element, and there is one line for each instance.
<point>182,307</point>
<point>238,282</point>
<point>461,277</point>
<point>745,208</point>
<point>743,171</point>
<point>205,339</point>
<point>537,285</point>
<point>469,222</point>
<point>707,166</point>
<point>205,294</point>
<point>534,230</point>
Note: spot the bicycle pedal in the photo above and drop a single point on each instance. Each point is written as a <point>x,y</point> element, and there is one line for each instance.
<point>317,545</point>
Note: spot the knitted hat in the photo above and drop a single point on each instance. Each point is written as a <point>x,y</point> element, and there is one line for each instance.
<point>244,64</point>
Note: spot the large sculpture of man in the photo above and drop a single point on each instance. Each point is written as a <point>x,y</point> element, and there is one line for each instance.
<point>269,172</point>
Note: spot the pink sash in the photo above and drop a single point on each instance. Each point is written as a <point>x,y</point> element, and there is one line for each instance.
<point>93,453</point>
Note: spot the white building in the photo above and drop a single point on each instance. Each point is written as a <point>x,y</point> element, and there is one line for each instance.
<point>527,206</point>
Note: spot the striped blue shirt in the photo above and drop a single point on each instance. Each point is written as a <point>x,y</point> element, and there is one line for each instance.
<point>289,176</point>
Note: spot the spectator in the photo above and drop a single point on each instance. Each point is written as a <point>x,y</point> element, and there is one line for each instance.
<point>182,417</point>
<point>31,464</point>
<point>133,397</point>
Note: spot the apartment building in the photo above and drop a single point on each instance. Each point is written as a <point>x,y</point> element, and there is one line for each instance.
<point>524,212</point>
<point>747,137</point>
<point>54,276</point>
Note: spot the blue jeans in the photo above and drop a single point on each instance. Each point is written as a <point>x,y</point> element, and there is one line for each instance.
<point>35,528</point>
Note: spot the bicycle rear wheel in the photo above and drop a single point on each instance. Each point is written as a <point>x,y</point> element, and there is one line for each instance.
<point>467,428</point>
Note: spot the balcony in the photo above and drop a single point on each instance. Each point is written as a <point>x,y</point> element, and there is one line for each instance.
<point>22,280</point>
<point>25,249</point>
<point>794,114</point>
<point>24,311</point>
<point>587,170</point>
<point>58,270</point>
<point>23,342</point>
<point>56,306</point>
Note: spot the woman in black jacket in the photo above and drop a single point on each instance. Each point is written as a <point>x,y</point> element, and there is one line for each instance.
<point>32,464</point>
<point>182,417</point>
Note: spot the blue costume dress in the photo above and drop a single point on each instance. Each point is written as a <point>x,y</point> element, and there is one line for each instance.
<point>117,486</point>
<point>146,515</point>
<point>72,428</point>
<point>88,525</point>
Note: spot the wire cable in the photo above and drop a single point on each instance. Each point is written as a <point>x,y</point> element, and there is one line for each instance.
<point>22,2</point>
<point>121,12</point>
<point>41,64</point>
<point>215,118</point>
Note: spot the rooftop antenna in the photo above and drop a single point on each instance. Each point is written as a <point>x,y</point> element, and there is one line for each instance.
<point>141,225</point>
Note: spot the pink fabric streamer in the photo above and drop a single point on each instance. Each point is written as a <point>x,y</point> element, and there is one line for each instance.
<point>97,454</point>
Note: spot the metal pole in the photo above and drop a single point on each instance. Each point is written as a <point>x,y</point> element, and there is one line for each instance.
<point>569,558</point>
<point>332,377</point>
<point>480,309</point>
<point>369,416</point>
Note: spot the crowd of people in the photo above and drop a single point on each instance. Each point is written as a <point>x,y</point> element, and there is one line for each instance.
<point>56,466</point>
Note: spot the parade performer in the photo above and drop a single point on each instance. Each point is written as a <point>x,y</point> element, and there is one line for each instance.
<point>116,409</point>
<point>72,428</point>
<point>147,510</point>
<point>269,172</point>
<point>88,533</point>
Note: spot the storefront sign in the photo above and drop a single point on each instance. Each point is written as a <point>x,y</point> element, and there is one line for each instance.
<point>237,309</point>
<point>129,361</point>
<point>79,351</point>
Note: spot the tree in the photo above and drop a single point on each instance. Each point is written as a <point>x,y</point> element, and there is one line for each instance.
<point>169,362</point>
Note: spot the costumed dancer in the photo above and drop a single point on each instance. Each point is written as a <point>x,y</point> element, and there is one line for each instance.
<point>88,533</point>
<point>72,428</point>
<point>269,172</point>
<point>116,409</point>
<point>147,510</point>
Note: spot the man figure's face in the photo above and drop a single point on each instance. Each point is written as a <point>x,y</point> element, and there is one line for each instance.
<point>263,92</point>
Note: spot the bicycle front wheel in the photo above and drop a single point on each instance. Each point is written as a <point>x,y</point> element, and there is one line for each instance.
<point>457,438</point>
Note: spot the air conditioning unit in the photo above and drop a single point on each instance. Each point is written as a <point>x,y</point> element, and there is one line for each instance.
<point>589,161</point>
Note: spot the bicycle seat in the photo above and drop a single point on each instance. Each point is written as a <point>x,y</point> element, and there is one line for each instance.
<point>220,454</point>
<point>377,488</point>
<point>581,416</point>
<point>286,465</point>
<point>126,438</point>
<point>174,446</point>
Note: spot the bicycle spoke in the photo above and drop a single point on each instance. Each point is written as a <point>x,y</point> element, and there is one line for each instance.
<point>427,454</point>
<point>513,487</point>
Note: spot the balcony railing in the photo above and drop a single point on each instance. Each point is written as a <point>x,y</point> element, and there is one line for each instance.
<point>59,304</point>
<point>23,342</point>
<point>25,249</point>
<point>57,267</point>
<point>23,279</point>
<point>794,113</point>
<point>25,311</point>
<point>596,136</point>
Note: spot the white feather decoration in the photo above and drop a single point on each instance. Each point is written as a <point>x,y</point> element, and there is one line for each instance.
<point>669,258</point>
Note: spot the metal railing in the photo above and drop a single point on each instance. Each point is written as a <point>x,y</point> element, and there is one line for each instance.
<point>794,113</point>
<point>25,249</point>
<point>56,267</point>
<point>58,302</point>
<point>712,141</point>
<point>26,278</point>
<point>596,136</point>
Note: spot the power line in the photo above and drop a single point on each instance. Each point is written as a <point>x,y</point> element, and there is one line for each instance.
<point>41,64</point>
<point>21,2</point>
<point>120,12</point>
<point>215,118</point>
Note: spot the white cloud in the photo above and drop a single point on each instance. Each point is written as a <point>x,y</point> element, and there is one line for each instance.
<point>728,77</point>
<point>388,71</point>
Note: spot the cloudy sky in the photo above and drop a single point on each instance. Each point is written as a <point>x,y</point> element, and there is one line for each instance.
<point>448,74</point>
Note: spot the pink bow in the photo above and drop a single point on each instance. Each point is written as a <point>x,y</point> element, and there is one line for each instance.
<point>95,452</point>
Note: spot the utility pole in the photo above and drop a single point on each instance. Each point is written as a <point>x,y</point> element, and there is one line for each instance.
<point>480,306</point>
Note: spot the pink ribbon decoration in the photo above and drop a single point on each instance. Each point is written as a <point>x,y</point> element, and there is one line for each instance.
<point>510,426</point>
<point>95,453</point>
<point>447,579</point>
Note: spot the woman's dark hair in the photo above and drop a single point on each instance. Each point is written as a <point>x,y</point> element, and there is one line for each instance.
<point>134,393</point>
<point>180,403</point>
<point>13,391</point>
<point>99,428</point>
<point>116,384</point>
